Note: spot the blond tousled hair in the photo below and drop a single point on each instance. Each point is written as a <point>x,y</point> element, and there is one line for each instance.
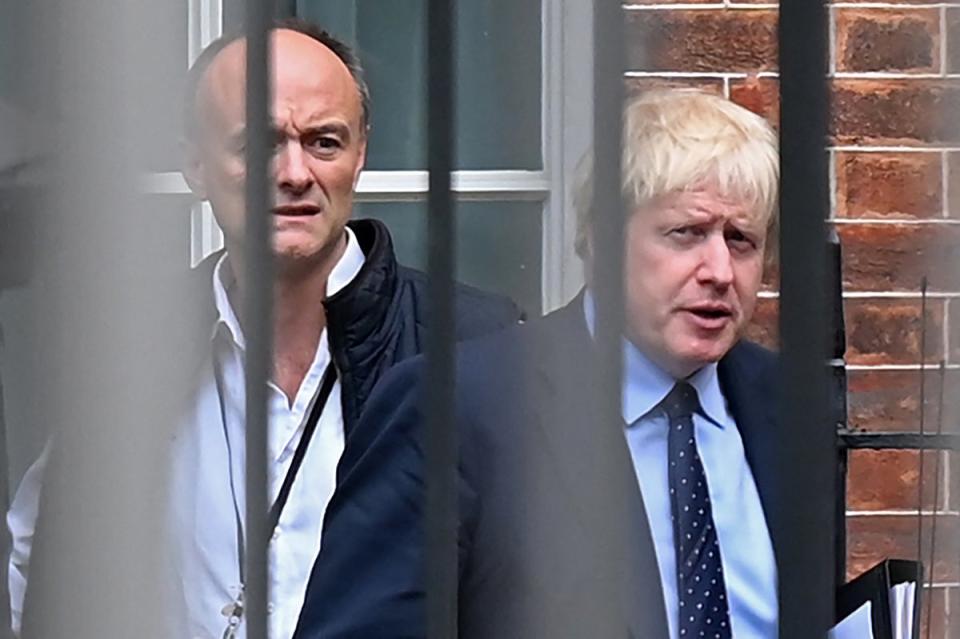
<point>678,139</point>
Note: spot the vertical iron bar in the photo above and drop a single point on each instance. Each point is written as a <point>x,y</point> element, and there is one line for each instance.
<point>96,564</point>
<point>607,191</point>
<point>287,8</point>
<point>838,404</point>
<point>936,500</point>
<point>922,416</point>
<point>805,529</point>
<point>257,314</point>
<point>607,286</point>
<point>440,445</point>
<point>840,512</point>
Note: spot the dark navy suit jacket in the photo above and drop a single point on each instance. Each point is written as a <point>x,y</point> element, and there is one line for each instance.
<point>547,497</point>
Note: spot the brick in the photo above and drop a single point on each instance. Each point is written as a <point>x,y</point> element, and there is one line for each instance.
<point>937,609</point>
<point>953,184</point>
<point>717,40</point>
<point>670,2</point>
<point>953,332</point>
<point>903,2</point>
<point>896,257</point>
<point>771,277</point>
<point>638,85</point>
<point>889,400</point>
<point>905,40</point>
<point>887,331</point>
<point>764,328</point>
<point>873,538</point>
<point>895,111</point>
<point>887,480</point>
<point>881,332</point>
<point>953,462</point>
<point>953,40</point>
<point>889,185</point>
<point>760,95</point>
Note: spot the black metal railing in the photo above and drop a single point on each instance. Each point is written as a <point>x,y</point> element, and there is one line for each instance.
<point>440,442</point>
<point>257,314</point>
<point>806,518</point>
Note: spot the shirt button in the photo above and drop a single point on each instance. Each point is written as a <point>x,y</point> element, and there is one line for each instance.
<point>269,608</point>
<point>275,535</point>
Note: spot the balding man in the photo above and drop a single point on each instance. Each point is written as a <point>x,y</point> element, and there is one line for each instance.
<point>344,312</point>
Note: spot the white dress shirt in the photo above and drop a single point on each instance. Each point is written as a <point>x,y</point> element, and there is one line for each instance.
<point>746,550</point>
<point>208,486</point>
<point>21,520</point>
<point>210,452</point>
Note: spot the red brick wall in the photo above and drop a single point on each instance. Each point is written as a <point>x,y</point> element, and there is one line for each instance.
<point>895,174</point>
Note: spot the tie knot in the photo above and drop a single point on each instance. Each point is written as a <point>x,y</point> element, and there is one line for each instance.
<point>681,401</point>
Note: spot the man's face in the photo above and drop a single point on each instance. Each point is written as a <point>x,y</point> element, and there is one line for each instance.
<point>319,145</point>
<point>693,266</point>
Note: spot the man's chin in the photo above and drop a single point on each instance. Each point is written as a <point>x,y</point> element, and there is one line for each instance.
<point>293,252</point>
<point>300,250</point>
<point>701,354</point>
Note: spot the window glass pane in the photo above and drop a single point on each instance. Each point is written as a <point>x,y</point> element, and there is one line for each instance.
<point>232,15</point>
<point>498,60</point>
<point>498,244</point>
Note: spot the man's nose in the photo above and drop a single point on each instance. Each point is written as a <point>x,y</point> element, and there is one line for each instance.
<point>292,172</point>
<point>716,266</point>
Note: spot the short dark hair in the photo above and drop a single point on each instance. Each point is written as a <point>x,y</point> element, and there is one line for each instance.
<point>341,49</point>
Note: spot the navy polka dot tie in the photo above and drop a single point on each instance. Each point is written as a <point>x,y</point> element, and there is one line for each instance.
<point>702,594</point>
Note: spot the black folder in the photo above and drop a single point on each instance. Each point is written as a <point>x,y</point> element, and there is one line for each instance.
<point>874,585</point>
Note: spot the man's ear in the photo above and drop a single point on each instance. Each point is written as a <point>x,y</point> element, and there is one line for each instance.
<point>361,159</point>
<point>193,168</point>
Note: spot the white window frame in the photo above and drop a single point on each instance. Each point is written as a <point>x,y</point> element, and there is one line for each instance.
<point>566,130</point>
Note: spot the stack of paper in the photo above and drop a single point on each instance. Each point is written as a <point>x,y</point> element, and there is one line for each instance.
<point>857,625</point>
<point>882,603</point>
<point>902,598</point>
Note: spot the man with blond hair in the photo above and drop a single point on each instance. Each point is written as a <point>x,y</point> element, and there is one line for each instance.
<point>683,498</point>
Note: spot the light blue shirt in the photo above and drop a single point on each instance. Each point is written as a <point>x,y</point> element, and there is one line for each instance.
<point>746,550</point>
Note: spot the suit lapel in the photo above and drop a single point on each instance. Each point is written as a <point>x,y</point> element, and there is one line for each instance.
<point>749,386</point>
<point>563,377</point>
<point>591,458</point>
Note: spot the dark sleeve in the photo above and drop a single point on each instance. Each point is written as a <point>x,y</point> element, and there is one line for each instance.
<point>368,578</point>
<point>479,313</point>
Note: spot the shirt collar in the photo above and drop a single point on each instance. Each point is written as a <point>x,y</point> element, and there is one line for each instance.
<point>645,384</point>
<point>224,282</point>
<point>347,267</point>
